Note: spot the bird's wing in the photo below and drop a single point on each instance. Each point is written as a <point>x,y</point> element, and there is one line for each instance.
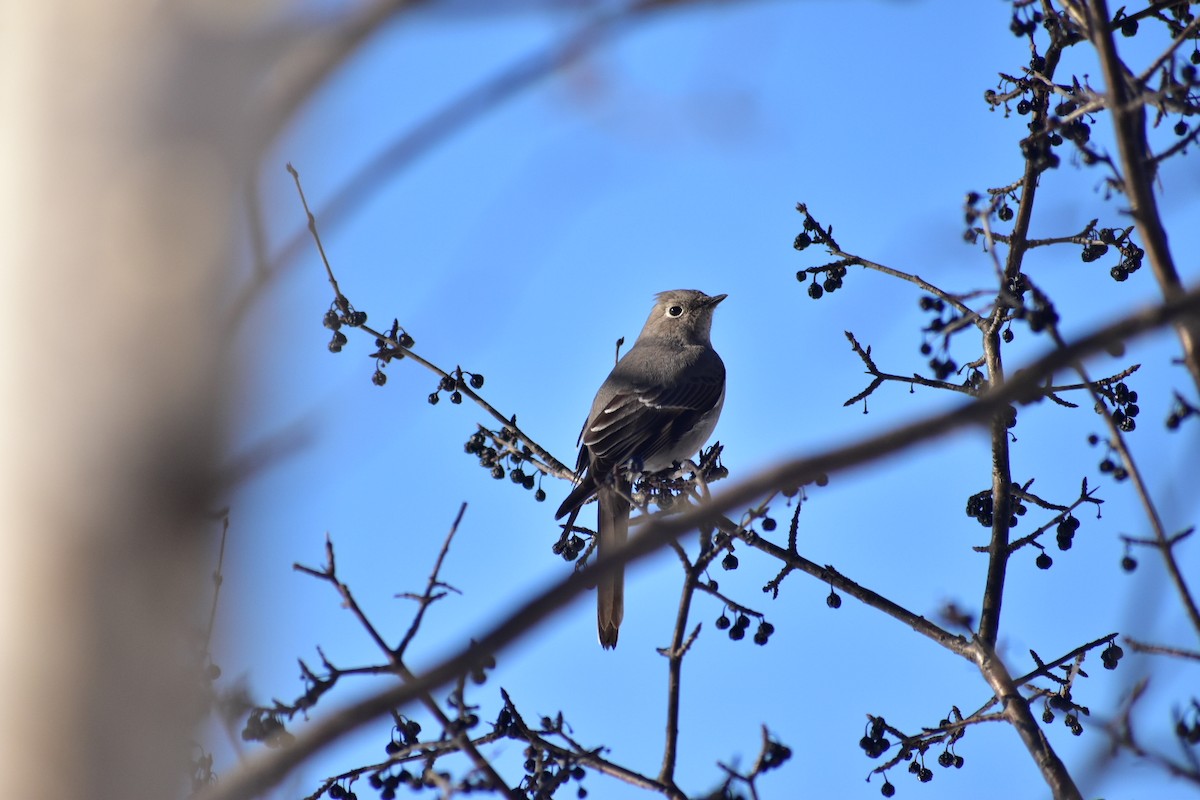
<point>637,424</point>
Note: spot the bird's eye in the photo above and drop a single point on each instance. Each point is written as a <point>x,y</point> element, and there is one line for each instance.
<point>675,311</point>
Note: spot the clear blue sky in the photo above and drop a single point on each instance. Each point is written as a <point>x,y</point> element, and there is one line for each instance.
<point>522,246</point>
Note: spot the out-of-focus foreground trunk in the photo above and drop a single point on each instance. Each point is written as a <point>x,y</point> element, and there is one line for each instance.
<point>115,152</point>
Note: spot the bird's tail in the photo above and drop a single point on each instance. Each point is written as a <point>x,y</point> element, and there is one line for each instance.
<point>613,529</point>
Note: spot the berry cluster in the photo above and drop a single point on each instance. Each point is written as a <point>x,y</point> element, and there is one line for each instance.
<point>813,233</point>
<point>1022,26</point>
<point>737,628</point>
<point>1107,465</point>
<point>943,365</point>
<point>917,767</point>
<point>405,733</point>
<point>1065,532</point>
<point>1189,733</point>
<point>980,506</point>
<point>1017,286</point>
<point>545,771</point>
<point>454,384</point>
<point>501,453</point>
<point>774,755</point>
<point>342,313</point>
<point>385,351</point>
<point>1061,701</point>
<point>1038,313</point>
<point>834,274</point>
<point>265,725</point>
<point>339,792</point>
<point>387,782</point>
<point>1126,401</point>
<point>1131,254</point>
<point>569,546</point>
<point>1110,655</point>
<point>873,742</point>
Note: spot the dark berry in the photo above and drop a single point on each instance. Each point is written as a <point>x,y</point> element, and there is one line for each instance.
<point>476,381</point>
<point>1044,561</point>
<point>834,600</point>
<point>722,622</point>
<point>379,378</point>
<point>815,291</point>
<point>730,561</point>
<point>1129,563</point>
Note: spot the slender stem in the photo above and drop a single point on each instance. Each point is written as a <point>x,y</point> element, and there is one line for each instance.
<point>674,676</point>
<point>998,552</point>
<point>953,643</point>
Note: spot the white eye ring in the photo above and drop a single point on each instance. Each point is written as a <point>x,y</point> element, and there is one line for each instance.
<point>675,311</point>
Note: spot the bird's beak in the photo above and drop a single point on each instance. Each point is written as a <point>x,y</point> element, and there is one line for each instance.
<point>712,301</point>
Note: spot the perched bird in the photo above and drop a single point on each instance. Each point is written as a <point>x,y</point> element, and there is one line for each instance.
<point>657,407</point>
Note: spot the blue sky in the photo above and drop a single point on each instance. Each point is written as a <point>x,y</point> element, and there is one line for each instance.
<point>522,246</point>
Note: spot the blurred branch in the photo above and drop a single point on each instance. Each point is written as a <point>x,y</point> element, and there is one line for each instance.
<point>1118,443</point>
<point>1129,125</point>
<point>1162,650</point>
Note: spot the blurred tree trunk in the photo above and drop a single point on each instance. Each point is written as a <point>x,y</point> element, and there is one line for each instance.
<point>115,205</point>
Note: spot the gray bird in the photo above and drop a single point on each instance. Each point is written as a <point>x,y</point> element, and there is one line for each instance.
<point>657,407</point>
